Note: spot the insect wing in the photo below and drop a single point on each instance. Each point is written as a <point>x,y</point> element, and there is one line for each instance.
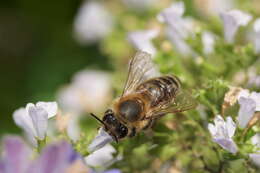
<point>141,68</point>
<point>183,101</point>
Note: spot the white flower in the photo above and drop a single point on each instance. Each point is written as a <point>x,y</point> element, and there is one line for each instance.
<point>232,20</point>
<point>257,35</point>
<point>256,140</point>
<point>89,91</point>
<point>142,40</point>
<point>255,158</point>
<point>100,140</point>
<point>178,28</point>
<point>92,23</point>
<point>34,119</point>
<point>222,133</point>
<point>102,157</point>
<point>249,103</point>
<point>208,41</point>
<point>140,5</point>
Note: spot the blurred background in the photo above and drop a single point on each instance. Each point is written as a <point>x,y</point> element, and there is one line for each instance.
<point>38,53</point>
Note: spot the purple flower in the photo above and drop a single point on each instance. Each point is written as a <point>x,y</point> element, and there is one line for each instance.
<point>16,156</point>
<point>55,158</point>
<point>257,35</point>
<point>232,20</point>
<point>222,133</point>
<point>92,23</point>
<point>249,103</point>
<point>178,28</point>
<point>141,40</point>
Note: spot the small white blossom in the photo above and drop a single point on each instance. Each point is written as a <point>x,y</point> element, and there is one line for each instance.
<point>89,91</point>
<point>255,157</point>
<point>100,140</point>
<point>92,23</point>
<point>208,41</point>
<point>257,35</point>
<point>102,157</point>
<point>249,103</point>
<point>232,20</point>
<point>222,133</point>
<point>142,40</point>
<point>140,5</point>
<point>34,119</point>
<point>178,28</point>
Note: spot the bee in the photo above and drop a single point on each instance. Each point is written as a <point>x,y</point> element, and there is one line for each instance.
<point>146,97</point>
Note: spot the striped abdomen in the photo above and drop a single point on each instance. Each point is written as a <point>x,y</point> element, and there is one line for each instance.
<point>160,90</point>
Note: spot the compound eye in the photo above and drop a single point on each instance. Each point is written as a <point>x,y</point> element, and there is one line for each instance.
<point>122,131</point>
<point>109,118</point>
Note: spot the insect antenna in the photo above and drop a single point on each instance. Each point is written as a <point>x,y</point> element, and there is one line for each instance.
<point>98,119</point>
<point>102,122</point>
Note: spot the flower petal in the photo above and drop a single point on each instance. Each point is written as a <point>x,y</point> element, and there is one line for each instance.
<point>246,111</point>
<point>93,22</point>
<point>56,158</point>
<point>208,41</point>
<point>232,20</point>
<point>212,129</point>
<point>231,127</point>
<point>102,157</point>
<point>255,158</point>
<point>40,120</point>
<point>141,40</point>
<point>227,144</point>
<point>256,97</point>
<point>257,35</point>
<point>73,129</point>
<point>256,140</point>
<point>17,155</point>
<point>100,140</point>
<point>113,171</point>
<point>23,120</point>
<point>50,107</point>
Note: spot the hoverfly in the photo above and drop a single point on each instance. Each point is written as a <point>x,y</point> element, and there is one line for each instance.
<point>145,98</point>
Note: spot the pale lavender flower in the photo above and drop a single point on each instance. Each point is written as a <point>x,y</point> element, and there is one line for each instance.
<point>103,157</point>
<point>142,40</point>
<point>178,28</point>
<point>89,91</point>
<point>16,156</point>
<point>249,103</point>
<point>222,133</point>
<point>140,5</point>
<point>55,158</point>
<point>256,140</point>
<point>232,20</point>
<point>255,157</point>
<point>92,23</point>
<point>208,41</point>
<point>34,119</point>
<point>257,35</point>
